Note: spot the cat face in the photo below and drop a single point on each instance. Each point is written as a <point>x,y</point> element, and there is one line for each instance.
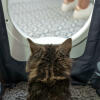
<point>49,62</point>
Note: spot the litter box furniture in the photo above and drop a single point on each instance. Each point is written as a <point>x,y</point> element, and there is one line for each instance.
<point>14,70</point>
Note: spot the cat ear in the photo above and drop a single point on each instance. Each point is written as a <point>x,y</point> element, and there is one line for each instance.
<point>33,46</point>
<point>66,46</point>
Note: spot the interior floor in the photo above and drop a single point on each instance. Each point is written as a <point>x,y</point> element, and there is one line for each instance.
<point>43,18</point>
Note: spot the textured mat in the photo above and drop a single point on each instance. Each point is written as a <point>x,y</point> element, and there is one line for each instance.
<point>78,93</point>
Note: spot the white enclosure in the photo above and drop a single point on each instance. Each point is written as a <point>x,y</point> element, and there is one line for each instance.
<point>19,46</point>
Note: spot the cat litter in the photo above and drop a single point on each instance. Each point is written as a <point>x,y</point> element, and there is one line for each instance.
<point>43,18</point>
<point>78,93</point>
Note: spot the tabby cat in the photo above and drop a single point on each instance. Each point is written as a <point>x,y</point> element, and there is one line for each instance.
<point>49,68</point>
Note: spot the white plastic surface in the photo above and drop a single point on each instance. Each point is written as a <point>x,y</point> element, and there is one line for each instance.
<point>19,46</point>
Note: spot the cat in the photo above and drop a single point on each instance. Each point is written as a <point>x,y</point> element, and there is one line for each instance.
<point>49,68</point>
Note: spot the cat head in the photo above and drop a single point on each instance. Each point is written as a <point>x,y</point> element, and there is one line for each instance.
<point>49,62</point>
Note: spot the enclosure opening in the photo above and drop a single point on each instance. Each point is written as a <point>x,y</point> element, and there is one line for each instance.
<point>43,22</point>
